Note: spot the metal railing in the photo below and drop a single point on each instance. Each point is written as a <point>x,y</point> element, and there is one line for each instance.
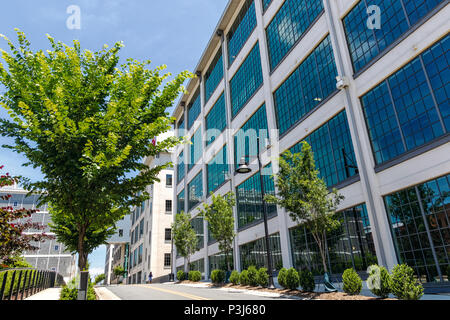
<point>17,284</point>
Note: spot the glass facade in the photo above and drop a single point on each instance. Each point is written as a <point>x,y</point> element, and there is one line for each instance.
<point>411,107</point>
<point>266,4</point>
<point>312,82</point>
<point>180,201</point>
<point>197,225</point>
<point>255,253</point>
<point>247,79</point>
<point>397,16</point>
<point>241,29</point>
<point>195,191</point>
<point>218,261</point>
<point>214,75</point>
<point>194,109</point>
<point>349,246</point>
<point>420,224</point>
<point>180,127</point>
<point>217,170</point>
<point>333,150</point>
<point>180,167</point>
<point>288,26</point>
<point>197,265</point>
<point>195,148</point>
<point>245,138</point>
<point>249,199</point>
<point>216,120</point>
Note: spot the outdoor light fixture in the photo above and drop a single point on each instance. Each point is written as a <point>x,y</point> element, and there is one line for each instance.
<point>243,167</point>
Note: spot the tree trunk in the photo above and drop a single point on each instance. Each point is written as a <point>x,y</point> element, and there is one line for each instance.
<point>321,251</point>
<point>82,255</point>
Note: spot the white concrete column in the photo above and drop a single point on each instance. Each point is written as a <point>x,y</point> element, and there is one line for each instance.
<point>111,247</point>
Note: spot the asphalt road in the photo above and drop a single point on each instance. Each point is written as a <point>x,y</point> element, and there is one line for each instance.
<point>184,292</point>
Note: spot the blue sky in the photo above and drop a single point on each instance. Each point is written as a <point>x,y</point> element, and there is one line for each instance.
<point>171,32</point>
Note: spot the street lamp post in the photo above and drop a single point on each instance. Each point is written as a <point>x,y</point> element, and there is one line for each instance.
<point>244,168</point>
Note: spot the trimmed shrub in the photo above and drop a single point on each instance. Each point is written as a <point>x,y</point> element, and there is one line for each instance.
<point>263,277</point>
<point>195,276</point>
<point>252,276</point>
<point>70,291</point>
<point>292,279</point>
<point>352,282</point>
<point>282,277</point>
<point>181,275</point>
<point>403,284</point>
<point>379,281</point>
<point>307,280</point>
<point>243,278</point>
<point>234,277</point>
<point>217,276</point>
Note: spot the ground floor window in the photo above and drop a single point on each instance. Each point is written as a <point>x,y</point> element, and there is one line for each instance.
<point>197,265</point>
<point>349,246</point>
<point>419,217</point>
<point>218,261</point>
<point>255,253</point>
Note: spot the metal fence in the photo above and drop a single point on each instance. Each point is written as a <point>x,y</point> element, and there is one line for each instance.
<point>17,284</point>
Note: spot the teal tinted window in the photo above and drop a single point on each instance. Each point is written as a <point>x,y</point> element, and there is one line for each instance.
<point>266,4</point>
<point>420,224</point>
<point>411,107</point>
<point>220,261</point>
<point>216,120</point>
<point>217,169</point>
<point>249,199</point>
<point>180,126</point>
<point>214,75</point>
<point>197,225</point>
<point>180,167</point>
<point>194,109</point>
<point>397,16</point>
<point>255,253</point>
<point>198,265</point>
<point>196,148</point>
<point>245,138</point>
<point>241,29</point>
<point>247,79</point>
<point>180,201</point>
<point>333,150</point>
<point>349,246</point>
<point>312,82</point>
<point>195,191</point>
<point>288,26</point>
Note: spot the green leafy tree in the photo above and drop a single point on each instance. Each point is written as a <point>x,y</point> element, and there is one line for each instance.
<point>184,236</point>
<point>99,278</point>
<point>306,197</point>
<point>87,123</point>
<point>219,215</point>
<point>119,271</point>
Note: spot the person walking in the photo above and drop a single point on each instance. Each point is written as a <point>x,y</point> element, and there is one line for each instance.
<point>150,276</point>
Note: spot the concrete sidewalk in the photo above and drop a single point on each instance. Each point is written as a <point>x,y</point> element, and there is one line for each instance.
<point>105,294</point>
<point>47,294</point>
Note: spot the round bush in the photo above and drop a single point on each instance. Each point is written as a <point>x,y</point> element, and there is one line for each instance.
<point>195,276</point>
<point>307,280</point>
<point>243,278</point>
<point>292,279</point>
<point>263,277</point>
<point>282,277</point>
<point>181,275</point>
<point>379,281</point>
<point>218,276</point>
<point>252,276</point>
<point>403,284</point>
<point>352,282</point>
<point>234,277</point>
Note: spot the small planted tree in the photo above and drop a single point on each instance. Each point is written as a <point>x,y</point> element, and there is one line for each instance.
<point>403,284</point>
<point>184,236</point>
<point>352,282</point>
<point>306,197</point>
<point>219,215</point>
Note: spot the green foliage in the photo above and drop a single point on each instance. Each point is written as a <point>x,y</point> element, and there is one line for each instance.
<point>181,275</point>
<point>195,275</point>
<point>306,280</point>
<point>70,291</point>
<point>243,278</point>
<point>379,281</point>
<point>403,284</point>
<point>305,196</point>
<point>86,123</point>
<point>119,271</point>
<point>263,277</point>
<point>15,285</point>
<point>99,278</point>
<point>19,262</point>
<point>352,282</point>
<point>184,236</point>
<point>252,276</point>
<point>282,274</point>
<point>292,279</point>
<point>234,277</point>
<point>219,215</point>
<point>218,276</point>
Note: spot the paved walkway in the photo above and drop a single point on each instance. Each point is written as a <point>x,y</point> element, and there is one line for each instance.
<point>47,294</point>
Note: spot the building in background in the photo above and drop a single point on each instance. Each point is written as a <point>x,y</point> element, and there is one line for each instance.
<point>51,255</point>
<point>151,234</point>
<point>373,103</point>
